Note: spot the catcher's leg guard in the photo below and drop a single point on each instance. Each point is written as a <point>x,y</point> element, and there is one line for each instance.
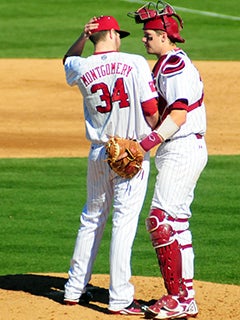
<point>168,251</point>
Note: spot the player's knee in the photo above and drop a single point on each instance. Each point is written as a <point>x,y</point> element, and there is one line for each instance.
<point>161,231</point>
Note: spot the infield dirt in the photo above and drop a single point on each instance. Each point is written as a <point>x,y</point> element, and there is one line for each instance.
<point>41,116</point>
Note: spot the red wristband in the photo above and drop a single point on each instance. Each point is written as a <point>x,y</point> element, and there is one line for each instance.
<point>150,141</point>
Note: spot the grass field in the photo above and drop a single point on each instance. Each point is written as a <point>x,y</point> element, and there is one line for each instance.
<point>45,29</point>
<point>41,198</point>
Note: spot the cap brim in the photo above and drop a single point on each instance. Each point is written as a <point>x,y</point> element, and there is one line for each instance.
<point>122,33</point>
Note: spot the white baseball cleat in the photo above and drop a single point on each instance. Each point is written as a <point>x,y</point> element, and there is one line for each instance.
<point>172,307</point>
<point>70,302</point>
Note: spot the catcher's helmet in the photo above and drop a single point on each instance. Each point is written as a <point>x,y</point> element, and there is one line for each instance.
<point>155,18</point>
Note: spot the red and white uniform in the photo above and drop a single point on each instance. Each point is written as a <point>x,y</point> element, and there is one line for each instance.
<point>181,159</point>
<point>113,86</point>
<point>177,78</point>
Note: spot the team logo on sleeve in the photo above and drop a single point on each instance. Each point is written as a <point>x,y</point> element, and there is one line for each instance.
<point>152,86</point>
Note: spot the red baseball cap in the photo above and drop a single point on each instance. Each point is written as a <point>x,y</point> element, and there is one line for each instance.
<point>108,23</point>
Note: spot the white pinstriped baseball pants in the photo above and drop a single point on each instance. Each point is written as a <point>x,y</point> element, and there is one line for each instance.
<point>104,190</point>
<point>180,163</point>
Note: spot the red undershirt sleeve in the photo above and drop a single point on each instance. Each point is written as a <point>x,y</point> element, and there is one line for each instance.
<point>150,107</point>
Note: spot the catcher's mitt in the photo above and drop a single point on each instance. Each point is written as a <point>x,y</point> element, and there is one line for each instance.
<point>131,164</point>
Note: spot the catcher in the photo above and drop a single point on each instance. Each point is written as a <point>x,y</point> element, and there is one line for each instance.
<point>180,158</point>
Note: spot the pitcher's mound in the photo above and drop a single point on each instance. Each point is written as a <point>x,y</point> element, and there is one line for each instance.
<point>39,296</point>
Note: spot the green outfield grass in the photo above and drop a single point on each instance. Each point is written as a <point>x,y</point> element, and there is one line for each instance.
<point>41,200</point>
<point>45,29</point>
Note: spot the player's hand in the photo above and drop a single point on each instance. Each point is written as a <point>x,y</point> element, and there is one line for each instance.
<point>92,24</point>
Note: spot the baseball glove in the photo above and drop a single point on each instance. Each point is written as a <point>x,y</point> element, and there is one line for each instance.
<point>131,163</point>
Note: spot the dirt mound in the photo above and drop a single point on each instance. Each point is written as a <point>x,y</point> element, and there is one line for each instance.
<point>35,297</point>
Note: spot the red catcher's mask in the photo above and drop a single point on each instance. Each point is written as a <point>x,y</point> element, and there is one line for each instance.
<point>159,16</point>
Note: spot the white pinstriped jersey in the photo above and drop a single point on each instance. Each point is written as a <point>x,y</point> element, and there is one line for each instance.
<point>177,78</point>
<point>113,85</point>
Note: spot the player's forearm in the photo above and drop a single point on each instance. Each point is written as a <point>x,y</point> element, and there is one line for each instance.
<point>77,48</point>
<point>167,129</point>
<point>179,116</point>
<point>153,120</point>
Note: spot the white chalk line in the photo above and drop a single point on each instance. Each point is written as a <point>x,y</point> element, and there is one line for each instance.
<point>203,13</point>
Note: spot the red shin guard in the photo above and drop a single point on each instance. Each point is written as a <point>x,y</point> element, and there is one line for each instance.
<point>170,262</point>
<point>168,251</point>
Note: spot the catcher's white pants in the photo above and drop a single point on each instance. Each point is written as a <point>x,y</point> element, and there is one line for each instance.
<point>104,189</point>
<point>179,163</point>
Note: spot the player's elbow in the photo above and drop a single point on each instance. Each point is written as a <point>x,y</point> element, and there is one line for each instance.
<point>179,117</point>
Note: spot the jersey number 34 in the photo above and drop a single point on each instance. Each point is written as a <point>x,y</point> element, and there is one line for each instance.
<point>118,95</point>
